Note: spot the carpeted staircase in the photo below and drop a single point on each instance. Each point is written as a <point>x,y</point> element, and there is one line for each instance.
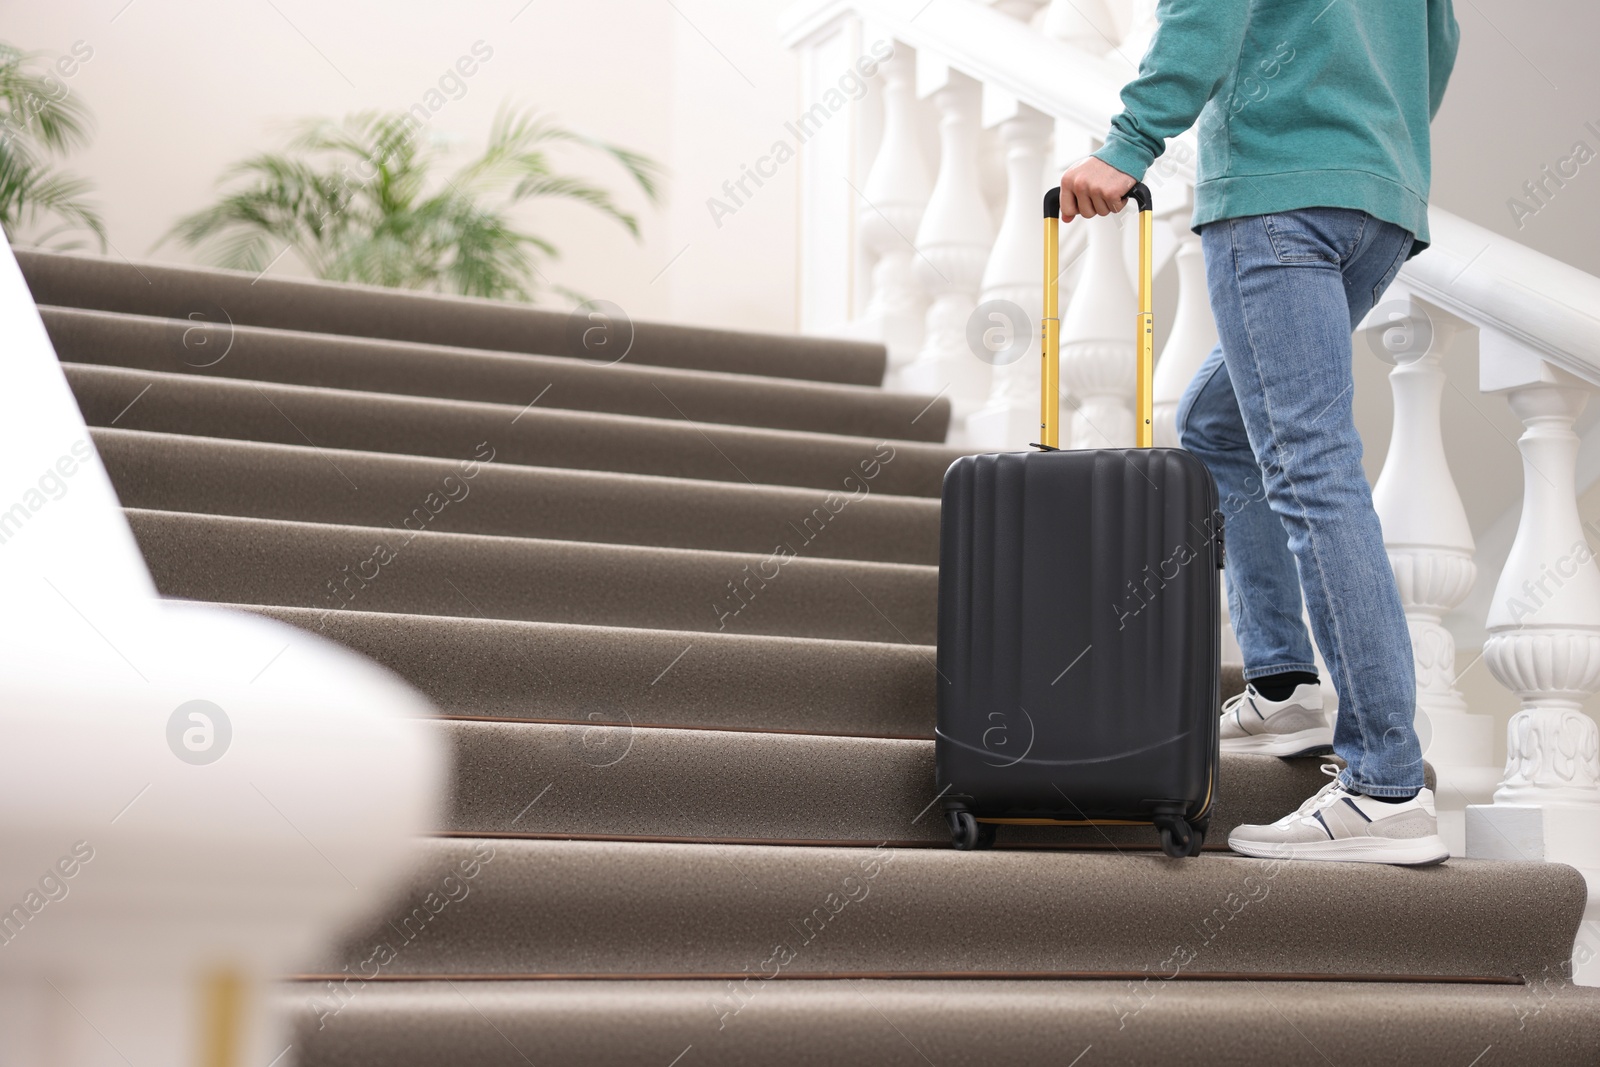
<point>676,613</point>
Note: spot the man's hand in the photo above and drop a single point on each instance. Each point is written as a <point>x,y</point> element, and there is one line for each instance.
<point>1093,187</point>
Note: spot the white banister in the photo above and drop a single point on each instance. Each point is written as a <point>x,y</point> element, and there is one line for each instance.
<point>894,198</point>
<point>1010,417</point>
<point>1522,296</point>
<point>1002,53</point>
<point>953,241</point>
<point>188,770</point>
<point>1430,547</point>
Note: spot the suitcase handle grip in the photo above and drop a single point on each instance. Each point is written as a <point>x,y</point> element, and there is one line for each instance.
<point>1139,194</point>
<point>1050,325</point>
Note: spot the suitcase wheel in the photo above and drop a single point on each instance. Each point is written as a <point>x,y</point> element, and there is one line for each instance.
<point>1180,840</point>
<point>967,833</point>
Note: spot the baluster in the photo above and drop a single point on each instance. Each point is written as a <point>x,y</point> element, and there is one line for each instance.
<point>1193,335</point>
<point>1010,416</point>
<point>1097,350</point>
<point>955,238</point>
<point>895,196</point>
<point>1544,639</point>
<point>1430,547</point>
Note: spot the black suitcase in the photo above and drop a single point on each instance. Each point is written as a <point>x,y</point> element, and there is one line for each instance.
<point>1079,622</point>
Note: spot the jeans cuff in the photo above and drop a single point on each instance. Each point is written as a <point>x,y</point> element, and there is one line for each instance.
<point>1252,673</point>
<point>1352,786</point>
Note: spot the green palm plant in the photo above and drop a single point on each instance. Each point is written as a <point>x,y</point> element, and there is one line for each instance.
<point>359,200</point>
<point>39,119</point>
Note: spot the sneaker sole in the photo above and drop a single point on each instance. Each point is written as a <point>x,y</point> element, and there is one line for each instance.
<point>1399,852</point>
<point>1317,741</point>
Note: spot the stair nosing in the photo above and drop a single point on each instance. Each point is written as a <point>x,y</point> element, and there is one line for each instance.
<point>491,621</point>
<point>487,406</point>
<point>918,569</point>
<point>640,369</point>
<point>573,473</point>
<point>1355,978</point>
<point>400,296</point>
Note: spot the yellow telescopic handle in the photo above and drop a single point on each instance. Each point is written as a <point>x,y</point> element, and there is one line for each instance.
<point>1143,393</point>
<point>1050,325</point>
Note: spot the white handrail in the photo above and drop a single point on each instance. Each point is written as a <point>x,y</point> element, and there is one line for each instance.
<point>1492,281</point>
<point>980,42</point>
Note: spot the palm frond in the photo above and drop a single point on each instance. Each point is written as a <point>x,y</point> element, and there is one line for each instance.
<point>37,105</point>
<point>360,199</point>
<point>39,119</point>
<point>31,193</point>
<point>579,190</point>
<point>527,129</point>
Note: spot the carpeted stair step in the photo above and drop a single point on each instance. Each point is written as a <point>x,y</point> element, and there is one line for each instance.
<point>510,908</point>
<point>165,291</point>
<point>947,1022</point>
<point>613,778</point>
<point>499,668</point>
<point>316,565</point>
<point>177,346</point>
<point>460,430</point>
<point>177,472</point>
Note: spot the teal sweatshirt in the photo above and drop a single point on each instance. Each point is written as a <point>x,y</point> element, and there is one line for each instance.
<point>1301,103</point>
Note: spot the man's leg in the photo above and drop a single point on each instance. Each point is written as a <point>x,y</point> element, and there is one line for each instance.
<point>1280,713</point>
<point>1286,291</point>
<point>1263,586</point>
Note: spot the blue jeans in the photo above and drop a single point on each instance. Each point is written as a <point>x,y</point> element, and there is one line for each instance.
<point>1271,414</point>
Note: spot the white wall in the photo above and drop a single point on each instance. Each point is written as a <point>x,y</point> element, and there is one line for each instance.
<point>181,88</point>
<point>1526,86</point>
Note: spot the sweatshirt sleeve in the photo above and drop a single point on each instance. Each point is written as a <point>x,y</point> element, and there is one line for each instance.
<point>1195,47</point>
<point>1444,37</point>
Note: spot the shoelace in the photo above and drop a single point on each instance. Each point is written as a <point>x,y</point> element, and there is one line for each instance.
<point>1234,701</point>
<point>1232,705</point>
<point>1331,793</point>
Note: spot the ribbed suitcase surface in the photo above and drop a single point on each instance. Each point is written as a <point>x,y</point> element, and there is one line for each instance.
<point>1078,635</point>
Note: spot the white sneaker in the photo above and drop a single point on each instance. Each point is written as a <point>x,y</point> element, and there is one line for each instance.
<point>1336,824</point>
<point>1296,726</point>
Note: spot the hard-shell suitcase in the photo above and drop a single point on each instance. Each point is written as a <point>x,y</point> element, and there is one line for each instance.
<point>1079,621</point>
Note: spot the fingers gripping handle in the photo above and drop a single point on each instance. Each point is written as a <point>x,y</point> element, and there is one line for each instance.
<point>1050,324</point>
<point>1139,194</point>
